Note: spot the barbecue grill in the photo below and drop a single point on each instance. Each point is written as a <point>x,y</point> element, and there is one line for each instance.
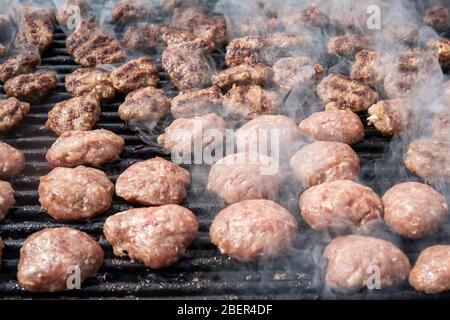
<point>203,273</point>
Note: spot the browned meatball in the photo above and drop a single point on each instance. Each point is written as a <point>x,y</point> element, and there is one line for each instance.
<point>6,200</point>
<point>438,17</point>
<point>50,257</point>
<point>135,74</point>
<point>310,16</point>
<point>12,161</point>
<point>341,205</point>
<point>429,159</point>
<point>353,259</point>
<point>368,67</point>
<point>196,102</point>
<point>348,44</point>
<point>243,74</point>
<point>184,135</point>
<point>237,177</point>
<point>86,80</point>
<point>93,148</point>
<point>143,37</point>
<point>79,113</point>
<point>35,31</point>
<point>80,193</point>
<point>20,64</point>
<point>12,112</point>
<point>282,44</point>
<point>339,92</point>
<point>441,49</point>
<point>31,87</point>
<point>431,274</point>
<point>414,210</point>
<point>171,36</point>
<point>70,10</point>
<point>253,229</point>
<point>293,71</point>
<point>153,182</point>
<point>249,102</point>
<point>333,125</point>
<point>157,236</point>
<point>390,117</point>
<point>247,49</point>
<point>128,10</point>
<point>324,161</point>
<point>145,104</point>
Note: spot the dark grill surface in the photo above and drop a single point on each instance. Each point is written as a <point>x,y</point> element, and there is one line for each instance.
<point>203,272</point>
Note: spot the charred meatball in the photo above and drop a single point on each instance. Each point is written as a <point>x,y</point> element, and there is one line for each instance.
<point>172,36</point>
<point>157,236</point>
<point>334,125</point>
<point>87,80</point>
<point>12,161</point>
<point>348,44</point>
<point>324,161</point>
<point>196,102</point>
<point>368,67</point>
<point>253,229</point>
<point>79,113</point>
<point>247,49</point>
<point>135,74</point>
<point>438,17</point>
<point>129,10</point>
<point>31,87</point>
<point>414,210</point>
<point>92,148</point>
<point>441,49</point>
<point>391,117</point>
<point>143,37</point>
<point>6,200</point>
<point>20,64</point>
<point>12,112</point>
<point>153,182</point>
<point>35,31</point>
<point>80,193</point>
<point>243,74</point>
<point>353,259</point>
<point>294,71</point>
<point>48,259</point>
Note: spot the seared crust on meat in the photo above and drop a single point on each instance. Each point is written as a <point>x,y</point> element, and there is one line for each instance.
<point>12,161</point>
<point>293,71</point>
<point>247,49</point>
<point>135,74</point>
<point>368,67</point>
<point>348,44</point>
<point>35,32</point>
<point>31,87</point>
<point>390,117</point>
<point>6,201</point>
<point>12,112</point>
<point>143,37</point>
<point>20,64</point>
<point>124,11</point>
<point>88,80</point>
<point>243,74</point>
<point>441,48</point>
<point>438,17</point>
<point>196,102</point>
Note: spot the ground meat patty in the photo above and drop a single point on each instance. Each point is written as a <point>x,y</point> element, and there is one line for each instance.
<point>12,112</point>
<point>390,117</point>
<point>341,205</point>
<point>438,17</point>
<point>153,182</point>
<point>431,274</point>
<point>71,194</point>
<point>348,44</point>
<point>339,92</point>
<point>157,236</point>
<point>243,74</point>
<point>129,10</point>
<point>92,148</point>
<point>429,159</point>
<point>185,135</point>
<point>20,64</point>
<point>196,102</point>
<point>247,49</point>
<point>253,229</point>
<point>414,210</point>
<point>334,125</point>
<point>294,71</point>
<point>12,161</point>
<point>324,161</point>
<point>145,105</point>
<point>238,177</point>
<point>79,113</point>
<point>249,102</point>
<point>441,49</point>
<point>31,87</point>
<point>135,74</point>
<point>143,37</point>
<point>35,32</point>
<point>368,67</point>
<point>353,259</point>
<point>6,201</point>
<point>86,80</point>
<point>48,259</point>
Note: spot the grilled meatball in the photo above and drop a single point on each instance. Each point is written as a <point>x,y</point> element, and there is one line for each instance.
<point>171,36</point>
<point>264,129</point>
<point>324,161</point>
<point>237,177</point>
<point>348,44</point>
<point>79,113</point>
<point>143,37</point>
<point>93,148</point>
<point>429,159</point>
<point>253,229</point>
<point>258,26</point>
<point>157,236</point>
<point>431,274</point>
<point>249,102</point>
<point>247,49</point>
<point>20,64</point>
<point>70,194</point>
<point>353,259</point>
<point>334,125</point>
<point>145,104</point>
<point>368,67</point>
<point>86,80</point>
<point>441,49</point>
<point>90,46</point>
<point>390,117</point>
<point>50,257</point>
<point>135,74</point>
<point>31,87</point>
<point>196,102</point>
<point>339,92</point>
<point>414,210</point>
<point>12,161</point>
<point>71,10</point>
<point>6,201</point>
<point>294,71</point>
<point>282,44</point>
<point>308,17</point>
<point>153,182</point>
<point>438,17</point>
<point>184,135</point>
<point>12,112</point>
<point>128,10</point>
<point>243,74</point>
<point>35,31</point>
